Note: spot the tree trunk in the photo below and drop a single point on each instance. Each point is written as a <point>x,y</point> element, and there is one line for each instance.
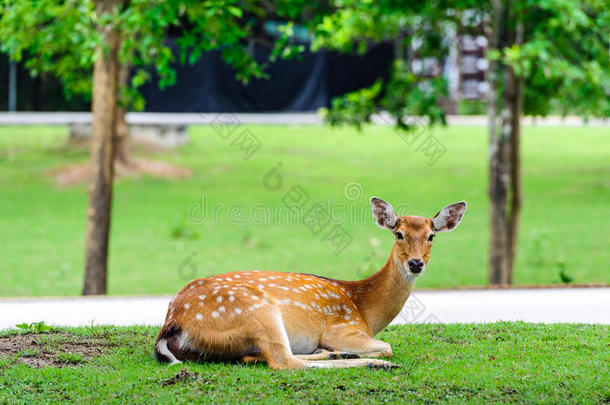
<point>504,111</point>
<point>516,106</point>
<point>104,105</point>
<point>123,153</point>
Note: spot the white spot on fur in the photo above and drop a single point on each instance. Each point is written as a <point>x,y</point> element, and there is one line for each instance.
<point>199,317</point>
<point>300,305</point>
<point>221,308</point>
<point>231,298</point>
<point>219,298</point>
<point>202,297</point>
<point>215,314</point>
<point>187,305</point>
<point>237,311</point>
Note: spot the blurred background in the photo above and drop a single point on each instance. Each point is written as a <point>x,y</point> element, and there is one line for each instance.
<point>147,144</point>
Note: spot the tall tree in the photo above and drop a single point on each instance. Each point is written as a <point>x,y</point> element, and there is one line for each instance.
<point>546,56</point>
<point>89,45</point>
<point>504,109</point>
<point>105,76</point>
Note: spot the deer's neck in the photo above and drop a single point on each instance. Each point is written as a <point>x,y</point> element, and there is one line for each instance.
<point>382,296</point>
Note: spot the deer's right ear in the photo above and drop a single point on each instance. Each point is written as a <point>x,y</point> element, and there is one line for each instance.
<point>383,213</point>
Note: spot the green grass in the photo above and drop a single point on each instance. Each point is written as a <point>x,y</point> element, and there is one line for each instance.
<point>505,362</point>
<point>155,250</point>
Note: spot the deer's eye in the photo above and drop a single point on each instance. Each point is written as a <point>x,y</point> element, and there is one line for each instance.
<point>399,236</point>
<point>430,238</point>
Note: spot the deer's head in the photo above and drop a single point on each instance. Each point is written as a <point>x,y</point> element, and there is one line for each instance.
<point>414,235</point>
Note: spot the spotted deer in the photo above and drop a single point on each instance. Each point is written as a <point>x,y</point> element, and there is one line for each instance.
<point>293,321</point>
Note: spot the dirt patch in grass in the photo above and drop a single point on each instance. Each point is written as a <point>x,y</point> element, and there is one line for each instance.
<point>56,349</point>
<point>183,376</point>
<point>79,173</point>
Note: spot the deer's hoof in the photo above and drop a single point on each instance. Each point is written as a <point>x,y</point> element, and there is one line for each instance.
<point>381,365</point>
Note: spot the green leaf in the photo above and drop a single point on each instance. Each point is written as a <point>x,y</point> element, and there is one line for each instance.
<point>235,11</point>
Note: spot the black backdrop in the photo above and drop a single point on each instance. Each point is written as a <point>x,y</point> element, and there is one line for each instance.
<point>209,85</point>
<point>303,84</point>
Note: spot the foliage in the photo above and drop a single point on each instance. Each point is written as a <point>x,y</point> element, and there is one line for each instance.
<point>563,275</point>
<point>61,37</point>
<point>52,36</point>
<point>416,28</point>
<point>485,363</point>
<point>182,229</point>
<point>355,108</point>
<point>34,327</point>
<point>71,358</point>
<point>564,59</point>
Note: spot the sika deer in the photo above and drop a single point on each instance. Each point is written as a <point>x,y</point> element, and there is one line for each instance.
<point>291,320</point>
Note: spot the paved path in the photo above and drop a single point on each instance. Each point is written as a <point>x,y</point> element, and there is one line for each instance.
<point>584,305</point>
<point>305,118</point>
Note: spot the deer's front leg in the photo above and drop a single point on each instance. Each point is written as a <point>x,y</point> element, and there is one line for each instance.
<point>355,341</point>
<point>323,354</point>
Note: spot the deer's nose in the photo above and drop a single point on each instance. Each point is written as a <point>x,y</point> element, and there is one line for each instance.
<point>416,265</point>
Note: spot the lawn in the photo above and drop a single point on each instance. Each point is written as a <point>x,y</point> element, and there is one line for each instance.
<point>518,362</point>
<point>155,249</point>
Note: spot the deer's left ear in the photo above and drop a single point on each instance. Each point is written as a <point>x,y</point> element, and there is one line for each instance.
<point>449,217</point>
